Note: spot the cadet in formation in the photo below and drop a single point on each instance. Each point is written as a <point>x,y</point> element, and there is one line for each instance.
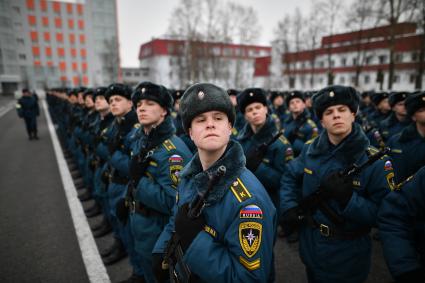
<point>157,157</point>
<point>231,238</point>
<point>335,246</point>
<point>28,109</point>
<point>408,147</point>
<point>298,126</point>
<point>267,151</point>
<point>401,216</point>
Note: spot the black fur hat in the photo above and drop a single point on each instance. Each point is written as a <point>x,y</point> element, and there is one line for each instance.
<point>334,95</point>
<point>396,97</point>
<point>415,102</point>
<point>294,94</point>
<point>251,95</point>
<point>118,89</point>
<point>99,91</point>
<point>88,91</point>
<point>154,92</point>
<point>276,94</point>
<point>203,97</point>
<point>377,97</point>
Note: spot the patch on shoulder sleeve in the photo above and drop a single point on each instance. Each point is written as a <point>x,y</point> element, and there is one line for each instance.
<point>137,125</point>
<point>289,154</point>
<point>388,166</point>
<point>176,165</point>
<point>250,265</point>
<point>240,191</point>
<point>210,231</point>
<point>250,234</point>
<point>390,180</point>
<point>251,211</point>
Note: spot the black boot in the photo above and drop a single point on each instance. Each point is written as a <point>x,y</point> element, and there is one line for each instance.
<point>94,211</point>
<point>117,254</point>
<point>102,223</point>
<point>102,231</point>
<point>85,196</point>
<point>115,245</point>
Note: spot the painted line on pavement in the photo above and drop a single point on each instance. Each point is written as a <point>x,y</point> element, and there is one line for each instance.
<point>95,268</point>
<point>6,108</point>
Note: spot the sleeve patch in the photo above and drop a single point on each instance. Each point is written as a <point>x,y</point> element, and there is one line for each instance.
<point>176,165</point>
<point>250,237</point>
<point>210,231</point>
<point>240,191</point>
<point>388,166</point>
<point>251,211</point>
<point>390,180</point>
<point>250,265</point>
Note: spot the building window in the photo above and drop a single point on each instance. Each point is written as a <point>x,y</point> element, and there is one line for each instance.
<point>34,36</point>
<point>45,21</point>
<point>343,62</point>
<point>83,53</point>
<point>30,4</point>
<point>128,74</point>
<point>321,64</point>
<point>46,36</point>
<point>84,67</point>
<point>320,80</point>
<point>136,74</point>
<point>82,39</point>
<point>71,23</point>
<point>22,56</point>
<point>48,51</point>
<point>73,52</point>
<point>342,80</point>
<point>368,60</point>
<point>414,56</point>
<point>354,61</point>
<point>80,9</point>
<point>32,20</point>
<point>366,79</point>
<point>35,51</point>
<point>74,66</point>
<point>382,59</point>
<point>72,38</point>
<point>332,63</point>
<point>17,10</point>
<point>69,8</point>
<point>62,66</point>
<point>61,52</point>
<point>396,79</point>
<point>80,24</point>
<point>398,58</point>
<point>353,79</point>
<point>56,7</point>
<point>20,41</point>
<point>412,78</point>
<point>43,5</point>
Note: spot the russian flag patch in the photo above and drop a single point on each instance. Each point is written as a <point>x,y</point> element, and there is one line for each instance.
<point>251,211</point>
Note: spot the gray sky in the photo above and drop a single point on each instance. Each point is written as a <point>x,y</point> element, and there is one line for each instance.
<point>141,20</point>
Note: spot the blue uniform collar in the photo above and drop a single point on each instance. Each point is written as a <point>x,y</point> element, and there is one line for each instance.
<point>234,161</point>
<point>410,133</point>
<point>267,131</point>
<point>348,151</point>
<point>159,134</point>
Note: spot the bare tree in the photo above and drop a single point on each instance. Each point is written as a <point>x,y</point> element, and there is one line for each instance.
<point>419,17</point>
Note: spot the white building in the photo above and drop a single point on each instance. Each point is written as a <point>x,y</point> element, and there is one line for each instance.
<point>344,57</point>
<point>227,65</point>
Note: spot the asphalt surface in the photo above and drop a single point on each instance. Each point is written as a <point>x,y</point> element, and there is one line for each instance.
<point>38,241</point>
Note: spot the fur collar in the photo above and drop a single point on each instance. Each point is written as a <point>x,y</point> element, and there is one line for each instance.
<point>234,161</point>
<point>348,151</point>
<point>267,131</point>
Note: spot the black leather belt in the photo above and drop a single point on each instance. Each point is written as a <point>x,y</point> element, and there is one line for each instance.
<point>138,207</point>
<point>331,232</point>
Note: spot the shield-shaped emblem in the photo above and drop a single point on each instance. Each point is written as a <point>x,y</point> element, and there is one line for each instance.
<point>250,237</point>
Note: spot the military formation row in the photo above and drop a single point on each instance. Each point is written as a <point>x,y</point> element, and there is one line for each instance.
<point>194,184</point>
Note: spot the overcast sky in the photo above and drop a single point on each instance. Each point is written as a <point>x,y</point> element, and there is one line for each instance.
<point>141,20</point>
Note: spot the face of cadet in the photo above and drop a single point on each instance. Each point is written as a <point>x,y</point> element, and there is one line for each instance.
<point>419,116</point>
<point>384,105</point>
<point>210,131</point>
<point>101,104</point>
<point>338,120</point>
<point>400,109</point>
<point>119,105</point>
<point>88,101</point>
<point>278,101</point>
<point>296,105</point>
<point>150,113</point>
<point>256,114</point>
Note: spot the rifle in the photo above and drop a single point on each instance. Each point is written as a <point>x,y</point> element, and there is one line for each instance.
<point>174,252</point>
<point>317,201</point>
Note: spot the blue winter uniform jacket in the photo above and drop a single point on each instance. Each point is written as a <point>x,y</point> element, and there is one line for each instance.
<point>274,162</point>
<point>401,213</point>
<point>407,152</point>
<point>237,243</point>
<point>27,107</point>
<point>300,130</point>
<point>392,126</point>
<point>332,259</point>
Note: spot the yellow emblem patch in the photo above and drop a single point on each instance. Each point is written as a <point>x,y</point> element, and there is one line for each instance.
<point>176,165</point>
<point>250,265</point>
<point>390,180</point>
<point>250,237</point>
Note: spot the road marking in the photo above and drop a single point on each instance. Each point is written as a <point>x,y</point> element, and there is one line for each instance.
<point>94,265</point>
<point>6,108</point>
